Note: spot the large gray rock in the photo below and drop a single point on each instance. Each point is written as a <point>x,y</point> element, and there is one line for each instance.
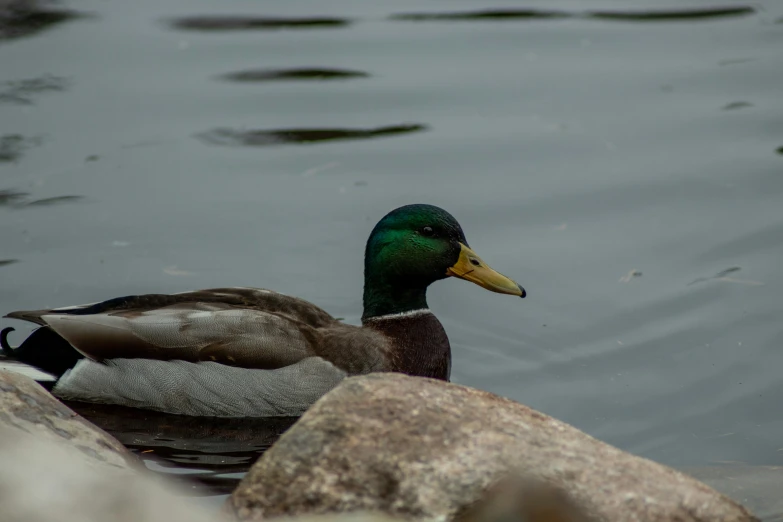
<point>516,499</point>
<point>424,449</point>
<point>28,409</point>
<point>42,481</point>
<point>57,466</point>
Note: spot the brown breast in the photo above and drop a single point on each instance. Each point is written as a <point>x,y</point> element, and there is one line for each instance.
<point>419,345</point>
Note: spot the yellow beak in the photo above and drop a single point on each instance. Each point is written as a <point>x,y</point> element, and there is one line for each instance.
<point>471,268</point>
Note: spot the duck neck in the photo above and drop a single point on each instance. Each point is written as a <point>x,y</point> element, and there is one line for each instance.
<point>383,297</point>
<point>398,310</point>
<point>418,344</point>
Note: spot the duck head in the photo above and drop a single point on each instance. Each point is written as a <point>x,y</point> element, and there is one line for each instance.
<point>414,246</point>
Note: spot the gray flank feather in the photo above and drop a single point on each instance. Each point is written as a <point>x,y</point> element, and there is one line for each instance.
<point>206,389</point>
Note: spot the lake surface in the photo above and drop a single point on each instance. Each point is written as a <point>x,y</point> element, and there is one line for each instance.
<point>622,160</point>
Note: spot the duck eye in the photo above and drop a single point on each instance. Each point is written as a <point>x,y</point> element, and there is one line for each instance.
<point>427,231</point>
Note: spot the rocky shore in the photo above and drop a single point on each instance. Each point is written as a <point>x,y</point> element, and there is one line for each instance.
<point>379,447</point>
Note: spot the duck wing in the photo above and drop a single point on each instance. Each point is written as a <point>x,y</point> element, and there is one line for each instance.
<point>246,327</point>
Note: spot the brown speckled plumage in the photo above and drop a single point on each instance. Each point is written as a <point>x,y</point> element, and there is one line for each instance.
<point>287,330</point>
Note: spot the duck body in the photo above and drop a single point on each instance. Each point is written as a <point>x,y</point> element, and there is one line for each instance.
<point>250,352</point>
<point>223,351</point>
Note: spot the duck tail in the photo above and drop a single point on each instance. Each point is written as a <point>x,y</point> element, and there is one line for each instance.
<point>5,348</point>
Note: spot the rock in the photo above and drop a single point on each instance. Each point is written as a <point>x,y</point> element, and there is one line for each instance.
<point>757,487</point>
<point>29,409</point>
<point>41,481</point>
<point>424,449</point>
<point>516,499</point>
<point>57,466</point>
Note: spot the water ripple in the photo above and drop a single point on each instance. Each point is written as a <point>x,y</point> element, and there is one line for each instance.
<point>22,92</point>
<point>56,200</point>
<point>15,199</point>
<point>539,14</point>
<point>263,138</point>
<point>293,74</point>
<point>13,146</point>
<point>484,14</point>
<point>20,19</point>
<point>737,105</point>
<point>244,23</point>
<point>10,197</point>
<point>674,14</point>
<point>209,448</point>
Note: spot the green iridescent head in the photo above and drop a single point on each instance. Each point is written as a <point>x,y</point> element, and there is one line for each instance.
<point>414,246</point>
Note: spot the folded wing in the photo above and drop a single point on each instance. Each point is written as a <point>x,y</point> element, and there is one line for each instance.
<point>251,328</point>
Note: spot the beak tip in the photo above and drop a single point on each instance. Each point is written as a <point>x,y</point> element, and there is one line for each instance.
<point>523,294</point>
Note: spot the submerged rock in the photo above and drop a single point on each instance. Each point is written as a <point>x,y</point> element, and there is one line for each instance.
<point>424,449</point>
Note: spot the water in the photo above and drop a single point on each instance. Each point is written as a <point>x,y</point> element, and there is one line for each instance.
<point>622,160</point>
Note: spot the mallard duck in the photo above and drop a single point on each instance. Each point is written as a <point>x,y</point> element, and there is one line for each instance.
<point>249,352</point>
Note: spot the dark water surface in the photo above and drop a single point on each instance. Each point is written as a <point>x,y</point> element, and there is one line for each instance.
<point>622,160</point>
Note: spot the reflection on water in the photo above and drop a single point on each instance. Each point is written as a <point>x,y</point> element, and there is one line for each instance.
<point>293,74</point>
<point>13,146</point>
<point>242,23</point>
<point>685,15</point>
<point>538,14</point>
<point>22,92</point>
<point>263,138</point>
<point>215,447</point>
